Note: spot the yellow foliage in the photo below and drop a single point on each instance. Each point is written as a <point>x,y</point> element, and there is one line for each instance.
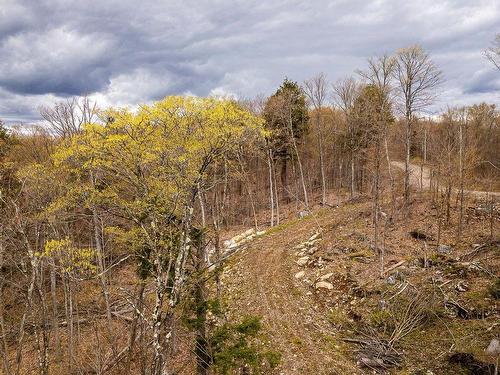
<point>155,156</point>
<point>70,257</point>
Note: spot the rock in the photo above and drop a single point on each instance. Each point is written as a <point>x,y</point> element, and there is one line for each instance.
<point>444,249</point>
<point>260,233</point>
<point>391,280</point>
<point>494,347</point>
<point>230,244</point>
<point>303,214</point>
<point>300,274</point>
<point>382,304</point>
<point>314,236</point>
<point>326,277</point>
<point>324,285</point>
<point>319,262</point>
<point>248,232</point>
<point>399,275</point>
<point>462,287</point>
<point>237,238</point>
<point>243,241</point>
<point>303,261</point>
<point>312,250</point>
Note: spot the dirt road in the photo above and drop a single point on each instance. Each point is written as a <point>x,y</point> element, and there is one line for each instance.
<point>416,178</point>
<point>261,282</point>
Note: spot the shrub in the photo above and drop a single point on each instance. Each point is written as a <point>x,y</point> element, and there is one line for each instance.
<point>233,347</point>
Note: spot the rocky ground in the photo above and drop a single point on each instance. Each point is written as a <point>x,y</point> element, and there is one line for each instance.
<point>317,285</point>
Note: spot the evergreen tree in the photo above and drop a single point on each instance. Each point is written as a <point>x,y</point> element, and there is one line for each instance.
<point>286,115</point>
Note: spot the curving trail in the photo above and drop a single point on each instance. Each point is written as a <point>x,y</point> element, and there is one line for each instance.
<point>261,282</point>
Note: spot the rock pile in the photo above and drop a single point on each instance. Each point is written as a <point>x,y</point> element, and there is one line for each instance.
<point>307,248</point>
<point>242,238</point>
<point>234,243</point>
<point>304,252</point>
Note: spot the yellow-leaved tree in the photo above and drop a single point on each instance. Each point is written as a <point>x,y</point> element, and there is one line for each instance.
<point>146,168</point>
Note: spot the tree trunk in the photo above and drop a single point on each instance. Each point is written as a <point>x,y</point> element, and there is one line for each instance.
<point>341,185</point>
<point>43,341</point>
<point>321,158</point>
<point>247,188</point>
<point>158,362</point>
<point>448,201</point>
<point>352,175</point>
<point>461,176</point>
<point>376,197</point>
<point>439,214</point>
<point>102,275</point>
<point>301,171</point>
<point>3,331</point>
<point>276,195</point>
<point>200,300</point>
<point>407,163</point>
<point>271,189</point>
<point>283,176</point>
<point>68,302</point>
<point>138,308</point>
<point>391,177</point>
<point>55,325</point>
<point>98,238</point>
<point>29,303</point>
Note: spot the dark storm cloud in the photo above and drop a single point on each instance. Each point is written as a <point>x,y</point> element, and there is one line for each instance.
<point>127,52</point>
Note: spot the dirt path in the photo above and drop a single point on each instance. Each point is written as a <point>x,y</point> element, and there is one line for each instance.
<point>261,282</point>
<point>415,171</point>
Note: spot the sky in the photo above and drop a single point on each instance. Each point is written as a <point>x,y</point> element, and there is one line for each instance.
<point>127,52</point>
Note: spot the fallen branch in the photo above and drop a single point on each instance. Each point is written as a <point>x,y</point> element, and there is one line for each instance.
<point>479,249</point>
<point>398,264</point>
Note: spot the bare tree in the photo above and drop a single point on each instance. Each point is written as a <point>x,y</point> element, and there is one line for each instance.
<point>417,78</point>
<point>66,118</point>
<point>316,90</point>
<point>492,53</point>
<point>345,93</point>
<point>379,74</point>
<point>462,128</point>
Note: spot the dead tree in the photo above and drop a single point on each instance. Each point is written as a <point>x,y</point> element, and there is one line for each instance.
<point>345,93</point>
<point>67,118</point>
<point>316,90</point>
<point>379,76</point>
<point>417,78</point>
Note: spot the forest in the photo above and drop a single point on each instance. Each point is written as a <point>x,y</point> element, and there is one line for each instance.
<point>331,227</point>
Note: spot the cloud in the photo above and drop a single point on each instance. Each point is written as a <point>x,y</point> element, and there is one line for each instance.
<point>128,52</point>
<point>60,62</point>
<point>482,82</point>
